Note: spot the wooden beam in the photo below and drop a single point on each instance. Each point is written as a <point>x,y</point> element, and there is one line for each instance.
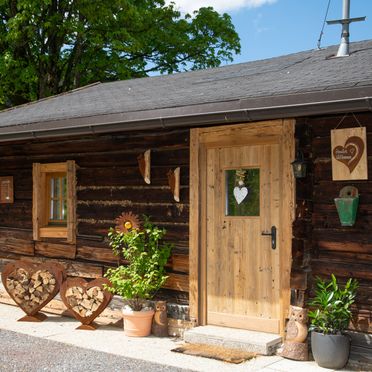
<point>56,250</point>
<point>194,220</point>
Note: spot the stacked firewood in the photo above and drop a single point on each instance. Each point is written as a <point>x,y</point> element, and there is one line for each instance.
<point>30,290</point>
<point>84,303</point>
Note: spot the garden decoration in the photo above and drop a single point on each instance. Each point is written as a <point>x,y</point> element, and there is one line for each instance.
<point>349,153</point>
<point>143,274</point>
<point>174,177</point>
<point>126,222</point>
<point>160,322</point>
<point>240,190</point>
<point>144,164</point>
<point>295,345</point>
<point>32,286</point>
<point>347,205</point>
<point>330,317</point>
<point>85,300</point>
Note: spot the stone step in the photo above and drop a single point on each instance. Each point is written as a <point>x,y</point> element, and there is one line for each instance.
<point>232,338</point>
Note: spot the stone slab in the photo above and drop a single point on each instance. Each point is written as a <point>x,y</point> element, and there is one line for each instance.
<point>257,342</point>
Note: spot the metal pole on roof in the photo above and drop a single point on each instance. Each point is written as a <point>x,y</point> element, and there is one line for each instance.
<point>343,50</point>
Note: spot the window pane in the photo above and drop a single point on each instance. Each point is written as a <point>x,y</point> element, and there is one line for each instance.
<point>56,210</point>
<point>242,192</point>
<point>58,198</point>
<point>64,210</point>
<point>57,187</point>
<point>64,187</point>
<point>52,181</point>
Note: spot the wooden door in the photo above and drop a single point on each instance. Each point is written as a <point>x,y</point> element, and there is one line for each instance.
<point>246,186</point>
<point>242,267</point>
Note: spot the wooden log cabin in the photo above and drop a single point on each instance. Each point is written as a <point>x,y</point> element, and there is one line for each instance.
<point>235,127</point>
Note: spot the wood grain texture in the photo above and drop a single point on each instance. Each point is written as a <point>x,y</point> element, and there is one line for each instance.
<point>107,183</point>
<point>327,247</point>
<point>226,253</point>
<point>349,154</point>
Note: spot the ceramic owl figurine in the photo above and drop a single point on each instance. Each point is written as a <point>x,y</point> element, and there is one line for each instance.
<point>297,325</point>
<point>160,321</point>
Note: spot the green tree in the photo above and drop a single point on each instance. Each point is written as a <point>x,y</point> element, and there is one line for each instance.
<point>51,46</point>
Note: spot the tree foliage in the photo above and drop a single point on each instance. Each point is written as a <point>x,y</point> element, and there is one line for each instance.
<point>51,46</point>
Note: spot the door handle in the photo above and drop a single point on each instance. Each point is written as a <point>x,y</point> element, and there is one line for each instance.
<point>273,236</point>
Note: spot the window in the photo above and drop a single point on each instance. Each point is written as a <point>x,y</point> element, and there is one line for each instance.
<point>57,199</point>
<point>242,192</point>
<point>54,199</point>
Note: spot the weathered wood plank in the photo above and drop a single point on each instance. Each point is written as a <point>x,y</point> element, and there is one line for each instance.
<point>117,176</point>
<point>18,246</point>
<point>96,254</point>
<point>73,268</point>
<point>55,250</point>
<point>177,282</point>
<point>134,194</point>
<point>180,263</point>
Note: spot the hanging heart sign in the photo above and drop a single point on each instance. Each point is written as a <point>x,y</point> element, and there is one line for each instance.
<point>240,193</point>
<point>350,153</point>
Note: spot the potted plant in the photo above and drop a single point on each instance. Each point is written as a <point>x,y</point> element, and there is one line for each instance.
<point>330,317</point>
<point>145,255</point>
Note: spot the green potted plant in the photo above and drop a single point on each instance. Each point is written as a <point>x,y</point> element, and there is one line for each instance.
<point>145,255</point>
<point>330,316</point>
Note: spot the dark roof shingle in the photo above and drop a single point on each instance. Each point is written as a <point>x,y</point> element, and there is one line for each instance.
<point>304,72</point>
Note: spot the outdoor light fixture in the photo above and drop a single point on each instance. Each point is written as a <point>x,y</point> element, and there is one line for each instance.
<point>299,166</point>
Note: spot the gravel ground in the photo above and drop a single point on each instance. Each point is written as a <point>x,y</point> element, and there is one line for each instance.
<point>23,353</point>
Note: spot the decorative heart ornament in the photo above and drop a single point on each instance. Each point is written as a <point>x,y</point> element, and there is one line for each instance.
<point>32,286</point>
<point>85,300</point>
<point>350,153</point>
<point>240,193</point>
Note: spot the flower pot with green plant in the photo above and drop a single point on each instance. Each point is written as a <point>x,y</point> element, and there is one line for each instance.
<point>330,316</point>
<point>145,255</point>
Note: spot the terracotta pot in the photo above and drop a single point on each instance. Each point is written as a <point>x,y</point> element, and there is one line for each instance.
<point>137,323</point>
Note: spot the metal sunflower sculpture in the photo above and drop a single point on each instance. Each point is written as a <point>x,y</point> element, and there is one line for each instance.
<point>127,222</point>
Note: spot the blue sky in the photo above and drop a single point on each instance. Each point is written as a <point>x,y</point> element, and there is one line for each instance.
<point>270,28</point>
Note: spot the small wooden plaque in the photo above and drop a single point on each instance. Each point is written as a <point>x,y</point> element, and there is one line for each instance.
<point>6,190</point>
<point>349,154</point>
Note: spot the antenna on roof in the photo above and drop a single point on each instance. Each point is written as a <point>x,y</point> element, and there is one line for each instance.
<point>343,50</point>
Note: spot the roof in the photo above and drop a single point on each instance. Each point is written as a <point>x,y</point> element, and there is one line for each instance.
<point>274,86</point>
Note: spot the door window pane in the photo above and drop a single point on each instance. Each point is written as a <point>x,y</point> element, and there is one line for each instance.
<point>242,192</point>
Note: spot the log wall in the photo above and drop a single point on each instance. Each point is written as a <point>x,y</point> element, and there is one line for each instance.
<point>321,246</point>
<point>108,183</point>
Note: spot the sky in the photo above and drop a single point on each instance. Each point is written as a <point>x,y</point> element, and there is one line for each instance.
<point>269,28</point>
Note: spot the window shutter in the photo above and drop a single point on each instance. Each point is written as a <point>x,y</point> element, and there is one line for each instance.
<point>71,202</point>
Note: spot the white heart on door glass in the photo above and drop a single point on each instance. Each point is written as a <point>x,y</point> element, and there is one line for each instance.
<point>240,193</point>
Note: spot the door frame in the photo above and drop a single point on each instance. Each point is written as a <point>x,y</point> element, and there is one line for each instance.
<point>266,132</point>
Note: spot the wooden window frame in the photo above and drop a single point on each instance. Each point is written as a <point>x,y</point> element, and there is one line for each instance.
<point>40,215</point>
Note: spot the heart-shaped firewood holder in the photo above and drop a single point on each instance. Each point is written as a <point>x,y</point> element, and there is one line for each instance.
<point>32,286</point>
<point>85,300</point>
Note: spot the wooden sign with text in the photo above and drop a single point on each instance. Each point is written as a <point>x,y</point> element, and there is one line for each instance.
<point>6,190</point>
<point>349,154</point>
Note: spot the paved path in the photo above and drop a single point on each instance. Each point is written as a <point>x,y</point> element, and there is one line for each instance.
<point>55,345</point>
<point>32,354</point>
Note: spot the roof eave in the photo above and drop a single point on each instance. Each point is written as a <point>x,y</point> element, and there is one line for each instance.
<point>234,111</point>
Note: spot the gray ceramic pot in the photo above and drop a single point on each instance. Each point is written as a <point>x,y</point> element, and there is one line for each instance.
<point>330,351</point>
